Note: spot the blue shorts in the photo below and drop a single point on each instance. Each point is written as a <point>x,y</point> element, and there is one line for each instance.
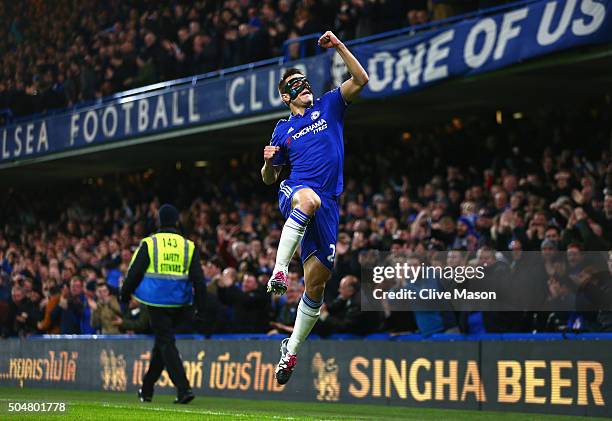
<point>322,231</point>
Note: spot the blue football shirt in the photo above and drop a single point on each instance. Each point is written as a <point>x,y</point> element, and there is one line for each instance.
<point>313,144</point>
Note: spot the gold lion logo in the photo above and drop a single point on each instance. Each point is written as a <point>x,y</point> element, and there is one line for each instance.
<point>113,371</point>
<point>326,382</point>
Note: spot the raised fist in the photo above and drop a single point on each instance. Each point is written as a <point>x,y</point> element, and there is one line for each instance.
<point>269,152</point>
<point>329,40</point>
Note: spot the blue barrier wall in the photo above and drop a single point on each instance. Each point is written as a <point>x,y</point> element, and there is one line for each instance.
<point>528,373</point>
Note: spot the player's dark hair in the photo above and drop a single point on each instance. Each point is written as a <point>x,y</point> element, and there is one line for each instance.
<point>289,72</point>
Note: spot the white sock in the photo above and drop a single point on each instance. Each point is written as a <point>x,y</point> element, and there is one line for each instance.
<point>307,315</point>
<point>292,234</point>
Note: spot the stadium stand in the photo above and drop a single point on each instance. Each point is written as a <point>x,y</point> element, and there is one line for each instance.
<point>62,53</point>
<point>484,132</point>
<point>533,185</point>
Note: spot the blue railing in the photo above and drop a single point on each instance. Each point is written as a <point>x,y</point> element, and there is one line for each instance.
<point>302,45</point>
<point>439,337</point>
<point>302,41</point>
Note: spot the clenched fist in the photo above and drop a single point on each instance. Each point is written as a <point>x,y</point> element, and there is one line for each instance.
<point>269,152</point>
<point>329,40</point>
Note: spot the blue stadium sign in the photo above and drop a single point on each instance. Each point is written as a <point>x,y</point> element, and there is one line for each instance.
<point>396,66</point>
<point>152,113</point>
<point>483,44</point>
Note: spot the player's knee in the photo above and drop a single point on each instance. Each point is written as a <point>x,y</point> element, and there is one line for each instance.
<point>310,203</point>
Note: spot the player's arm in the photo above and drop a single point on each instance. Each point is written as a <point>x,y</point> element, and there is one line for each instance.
<point>351,88</point>
<point>269,171</point>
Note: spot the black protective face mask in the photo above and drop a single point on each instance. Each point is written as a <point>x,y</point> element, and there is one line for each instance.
<point>295,86</point>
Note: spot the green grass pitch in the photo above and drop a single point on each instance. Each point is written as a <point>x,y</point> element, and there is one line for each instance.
<point>84,405</point>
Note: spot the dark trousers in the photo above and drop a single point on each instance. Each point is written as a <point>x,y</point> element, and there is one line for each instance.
<point>165,355</point>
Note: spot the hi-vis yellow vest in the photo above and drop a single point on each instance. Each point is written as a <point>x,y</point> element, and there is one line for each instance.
<point>166,281</point>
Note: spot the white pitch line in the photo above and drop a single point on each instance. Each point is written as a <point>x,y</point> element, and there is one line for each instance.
<point>190,411</point>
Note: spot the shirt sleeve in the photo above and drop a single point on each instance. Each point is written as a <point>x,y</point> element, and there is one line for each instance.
<point>282,156</point>
<point>136,271</point>
<point>335,103</point>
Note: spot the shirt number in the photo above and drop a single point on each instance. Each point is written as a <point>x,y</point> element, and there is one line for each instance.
<point>332,256</point>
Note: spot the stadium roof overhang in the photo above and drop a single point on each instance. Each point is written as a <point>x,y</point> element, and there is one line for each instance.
<point>563,78</point>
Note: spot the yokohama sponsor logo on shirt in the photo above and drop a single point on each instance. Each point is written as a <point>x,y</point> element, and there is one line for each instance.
<point>314,127</point>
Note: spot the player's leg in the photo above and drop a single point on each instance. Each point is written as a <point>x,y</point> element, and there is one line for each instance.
<point>315,277</point>
<point>304,203</point>
<point>318,253</point>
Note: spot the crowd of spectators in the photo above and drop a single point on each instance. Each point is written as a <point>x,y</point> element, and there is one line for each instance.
<point>543,182</point>
<point>59,53</point>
